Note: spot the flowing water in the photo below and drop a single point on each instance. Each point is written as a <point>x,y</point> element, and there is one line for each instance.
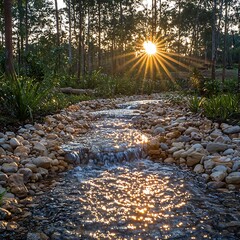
<point>120,195</point>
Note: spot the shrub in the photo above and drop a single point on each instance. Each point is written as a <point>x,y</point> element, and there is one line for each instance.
<point>195,103</point>
<point>20,98</point>
<point>221,107</point>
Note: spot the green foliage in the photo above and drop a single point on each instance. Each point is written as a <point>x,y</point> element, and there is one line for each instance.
<point>20,98</point>
<point>221,107</point>
<point>195,103</point>
<point>57,101</point>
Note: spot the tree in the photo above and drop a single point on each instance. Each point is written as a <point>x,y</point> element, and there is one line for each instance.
<point>10,72</point>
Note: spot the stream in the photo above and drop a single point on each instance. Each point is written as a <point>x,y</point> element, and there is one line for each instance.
<point>115,192</point>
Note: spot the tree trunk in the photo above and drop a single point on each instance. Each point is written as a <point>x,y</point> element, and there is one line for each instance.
<point>70,35</point>
<point>57,23</point>
<point>10,72</point>
<point>214,49</point>
<point>99,34</point>
<point>225,41</point>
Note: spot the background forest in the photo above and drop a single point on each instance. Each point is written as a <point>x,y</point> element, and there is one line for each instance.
<point>98,44</point>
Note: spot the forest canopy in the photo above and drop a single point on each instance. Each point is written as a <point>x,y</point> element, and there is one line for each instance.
<point>108,35</point>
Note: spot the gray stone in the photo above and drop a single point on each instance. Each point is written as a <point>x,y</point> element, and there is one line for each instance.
<point>44,162</point>
<point>222,139</point>
<point>158,130</point>
<point>40,148</point>
<point>218,176</point>
<point>42,236</point>
<point>164,146</point>
<point>213,147</point>
<point>229,151</point>
<point>216,185</point>
<point>2,151</point>
<point>233,178</point>
<point>10,167</point>
<point>14,142</point>
<point>198,168</point>
<point>236,165</point>
<point>220,168</point>
<point>31,166</point>
<point>72,158</point>
<point>7,147</point>
<point>232,130</point>
<point>209,164</point>
<point>27,173</point>
<point>3,177</point>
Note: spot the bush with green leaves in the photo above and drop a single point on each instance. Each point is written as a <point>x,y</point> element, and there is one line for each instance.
<point>222,107</point>
<point>195,103</point>
<point>22,96</point>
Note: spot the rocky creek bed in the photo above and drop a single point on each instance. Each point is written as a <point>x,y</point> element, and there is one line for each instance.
<point>148,169</point>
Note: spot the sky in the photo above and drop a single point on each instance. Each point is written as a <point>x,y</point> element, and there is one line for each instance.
<point>61,4</point>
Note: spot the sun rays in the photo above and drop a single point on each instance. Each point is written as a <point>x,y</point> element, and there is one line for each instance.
<point>153,60</point>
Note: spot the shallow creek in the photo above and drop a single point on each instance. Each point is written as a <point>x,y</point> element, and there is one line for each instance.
<point>120,195</point>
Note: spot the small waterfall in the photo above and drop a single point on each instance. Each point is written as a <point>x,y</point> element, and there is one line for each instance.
<point>112,139</point>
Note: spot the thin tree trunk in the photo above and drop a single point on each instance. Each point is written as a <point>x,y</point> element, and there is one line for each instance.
<point>26,35</point>
<point>57,23</point>
<point>89,42</point>
<point>214,40</point>
<point>99,34</point>
<point>70,35</point>
<point>10,72</point>
<point>225,41</point>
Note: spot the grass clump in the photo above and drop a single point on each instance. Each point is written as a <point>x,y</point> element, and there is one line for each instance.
<point>195,104</point>
<point>222,107</point>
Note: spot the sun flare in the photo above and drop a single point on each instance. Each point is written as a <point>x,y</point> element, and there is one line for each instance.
<point>150,48</point>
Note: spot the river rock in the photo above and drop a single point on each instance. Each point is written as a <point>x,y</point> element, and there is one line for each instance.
<point>22,151</point>
<point>229,151</point>
<point>17,186</point>
<point>37,236</point>
<point>233,178</point>
<point>236,165</point>
<point>220,168</point>
<point>158,130</point>
<point>209,164</point>
<point>44,162</point>
<point>198,168</point>
<point>27,173</point>
<point>218,176</point>
<point>3,226</point>
<point>72,158</point>
<point>7,147</point>
<point>3,177</point>
<point>31,166</point>
<point>2,151</point>
<point>14,142</point>
<point>4,214</point>
<point>213,147</point>
<point>40,148</point>
<point>191,161</point>
<point>10,167</point>
<point>191,130</point>
<point>232,130</point>
<point>216,184</point>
